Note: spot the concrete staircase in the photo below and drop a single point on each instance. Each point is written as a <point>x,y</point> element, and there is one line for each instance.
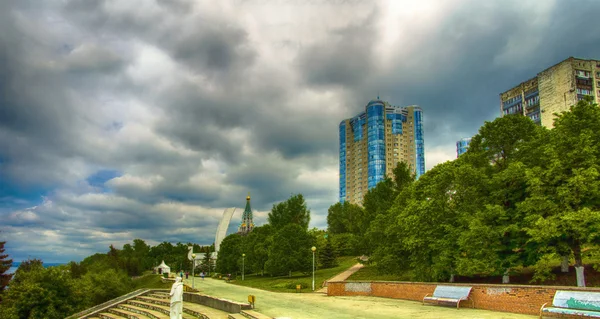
<point>156,305</point>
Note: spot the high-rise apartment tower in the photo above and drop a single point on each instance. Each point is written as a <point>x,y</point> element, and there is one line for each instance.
<point>373,142</point>
<point>553,90</point>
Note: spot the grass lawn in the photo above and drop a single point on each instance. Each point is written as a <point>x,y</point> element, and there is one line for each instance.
<point>288,284</point>
<point>150,281</point>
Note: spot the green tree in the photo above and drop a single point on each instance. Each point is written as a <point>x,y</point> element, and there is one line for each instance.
<point>290,251</point>
<point>293,210</point>
<point>38,292</point>
<point>5,265</point>
<point>327,256</point>
<point>230,254</point>
<point>345,218</point>
<point>564,204</point>
<point>345,244</point>
<point>428,226</point>
<point>496,241</point>
<point>403,176</point>
<point>142,253</point>
<point>105,285</point>
<point>207,262</point>
<point>377,205</point>
<point>256,247</point>
<point>77,270</point>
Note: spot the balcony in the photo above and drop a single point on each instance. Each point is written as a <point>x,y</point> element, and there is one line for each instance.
<point>584,82</point>
<point>532,105</point>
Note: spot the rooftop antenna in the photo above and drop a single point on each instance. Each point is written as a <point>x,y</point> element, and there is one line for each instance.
<point>378,95</point>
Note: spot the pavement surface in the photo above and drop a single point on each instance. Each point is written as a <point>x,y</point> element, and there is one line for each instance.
<point>342,276</point>
<point>318,305</point>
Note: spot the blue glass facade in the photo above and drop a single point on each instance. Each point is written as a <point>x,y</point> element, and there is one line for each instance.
<point>376,142</point>
<point>419,143</point>
<point>357,126</point>
<point>396,120</point>
<point>342,161</point>
<point>462,146</point>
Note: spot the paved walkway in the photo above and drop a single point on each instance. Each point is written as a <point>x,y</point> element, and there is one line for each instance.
<point>342,276</point>
<point>318,306</point>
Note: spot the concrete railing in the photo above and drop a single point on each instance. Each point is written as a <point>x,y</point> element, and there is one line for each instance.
<point>108,304</point>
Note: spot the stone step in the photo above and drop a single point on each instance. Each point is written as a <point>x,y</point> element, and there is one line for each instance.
<point>251,314</point>
<point>157,301</point>
<point>205,311</point>
<point>152,314</point>
<point>149,306</point>
<point>235,316</point>
<point>158,296</point>
<point>107,315</point>
<point>195,310</point>
<point>125,314</point>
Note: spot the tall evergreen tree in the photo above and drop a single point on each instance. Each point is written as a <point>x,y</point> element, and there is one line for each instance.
<point>327,256</point>
<point>5,265</point>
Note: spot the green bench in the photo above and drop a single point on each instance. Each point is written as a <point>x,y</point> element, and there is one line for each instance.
<point>449,294</point>
<point>577,303</point>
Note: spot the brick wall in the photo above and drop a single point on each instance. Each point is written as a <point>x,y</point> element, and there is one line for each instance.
<point>508,298</point>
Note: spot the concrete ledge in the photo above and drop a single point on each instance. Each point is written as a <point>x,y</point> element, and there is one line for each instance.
<point>216,303</point>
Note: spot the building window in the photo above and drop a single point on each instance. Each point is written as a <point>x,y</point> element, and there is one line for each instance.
<point>584,91</point>
<point>581,73</point>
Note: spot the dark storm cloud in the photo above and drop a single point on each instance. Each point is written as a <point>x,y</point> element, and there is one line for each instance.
<point>345,58</point>
<point>211,44</point>
<point>297,135</point>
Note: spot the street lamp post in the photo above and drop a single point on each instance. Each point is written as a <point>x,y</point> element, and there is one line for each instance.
<point>243,259</point>
<point>193,268</point>
<point>313,251</point>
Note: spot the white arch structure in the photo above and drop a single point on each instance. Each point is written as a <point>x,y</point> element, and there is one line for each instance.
<point>223,225</point>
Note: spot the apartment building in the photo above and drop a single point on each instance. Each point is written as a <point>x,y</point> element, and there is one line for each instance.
<point>553,90</point>
<point>373,142</point>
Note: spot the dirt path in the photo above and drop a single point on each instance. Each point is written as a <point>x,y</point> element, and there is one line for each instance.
<point>318,306</point>
<point>342,276</point>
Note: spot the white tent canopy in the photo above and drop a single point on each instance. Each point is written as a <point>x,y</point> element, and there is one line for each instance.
<point>162,268</point>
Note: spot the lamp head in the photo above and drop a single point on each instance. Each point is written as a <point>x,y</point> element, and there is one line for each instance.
<point>243,255</point>
<point>314,249</point>
<point>194,256</point>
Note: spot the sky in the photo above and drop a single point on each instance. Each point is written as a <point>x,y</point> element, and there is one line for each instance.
<point>146,119</point>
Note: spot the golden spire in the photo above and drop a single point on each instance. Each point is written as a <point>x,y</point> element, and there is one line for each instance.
<point>248,198</point>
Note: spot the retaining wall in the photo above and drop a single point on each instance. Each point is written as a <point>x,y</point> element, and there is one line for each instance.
<point>508,298</point>
<point>217,303</point>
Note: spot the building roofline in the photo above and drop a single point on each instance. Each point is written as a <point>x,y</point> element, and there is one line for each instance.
<point>571,58</point>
